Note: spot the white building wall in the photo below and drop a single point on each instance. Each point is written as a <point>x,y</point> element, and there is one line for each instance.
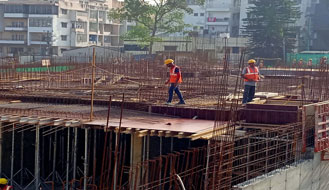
<point>243,14</point>
<point>196,19</point>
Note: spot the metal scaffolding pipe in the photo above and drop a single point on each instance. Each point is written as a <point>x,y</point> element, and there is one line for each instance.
<point>68,159</point>
<point>94,157</point>
<point>1,140</point>
<point>22,157</point>
<point>54,157</point>
<point>12,155</point>
<point>85,171</point>
<point>36,162</point>
<point>75,152</point>
<point>160,154</point>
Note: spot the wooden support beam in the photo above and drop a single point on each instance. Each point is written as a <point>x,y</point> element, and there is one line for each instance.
<point>143,133</point>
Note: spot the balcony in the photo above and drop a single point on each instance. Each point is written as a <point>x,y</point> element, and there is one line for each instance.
<point>10,41</point>
<point>15,15</point>
<point>15,28</point>
<point>213,21</point>
<point>35,42</point>
<point>79,30</point>
<point>79,16</point>
<point>40,29</point>
<point>107,33</point>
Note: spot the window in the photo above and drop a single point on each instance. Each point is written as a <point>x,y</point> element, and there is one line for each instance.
<point>235,49</point>
<point>64,11</point>
<point>93,14</point>
<point>82,38</point>
<point>201,27</point>
<point>17,37</point>
<point>195,14</point>
<point>63,37</point>
<point>62,50</point>
<point>64,24</point>
<point>17,24</point>
<point>43,9</point>
<point>170,48</point>
<point>40,22</point>
<point>16,50</point>
<point>201,14</point>
<point>107,39</point>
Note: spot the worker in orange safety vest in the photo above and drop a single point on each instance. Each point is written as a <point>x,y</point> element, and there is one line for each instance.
<point>4,184</point>
<point>175,79</point>
<point>251,76</point>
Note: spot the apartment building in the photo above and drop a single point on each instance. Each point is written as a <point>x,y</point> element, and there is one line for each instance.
<point>214,17</point>
<point>49,27</point>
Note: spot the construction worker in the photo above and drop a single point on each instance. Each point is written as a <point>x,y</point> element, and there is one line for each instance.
<point>4,184</point>
<point>174,80</point>
<point>309,63</point>
<point>251,76</point>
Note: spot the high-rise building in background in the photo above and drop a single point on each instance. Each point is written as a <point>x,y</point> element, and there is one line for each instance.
<point>49,27</point>
<point>214,17</point>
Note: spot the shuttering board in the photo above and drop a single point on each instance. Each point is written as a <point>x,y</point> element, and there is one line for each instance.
<point>271,114</point>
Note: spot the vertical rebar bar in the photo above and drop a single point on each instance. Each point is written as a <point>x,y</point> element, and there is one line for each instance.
<point>92,86</point>
<point>117,145</point>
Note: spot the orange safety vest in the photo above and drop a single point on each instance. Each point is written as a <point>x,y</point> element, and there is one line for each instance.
<point>173,75</point>
<point>252,74</point>
<point>7,187</point>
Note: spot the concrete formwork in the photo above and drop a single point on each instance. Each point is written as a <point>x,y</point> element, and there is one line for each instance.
<point>311,174</point>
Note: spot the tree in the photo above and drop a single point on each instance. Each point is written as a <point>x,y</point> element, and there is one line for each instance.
<point>152,17</point>
<point>271,26</point>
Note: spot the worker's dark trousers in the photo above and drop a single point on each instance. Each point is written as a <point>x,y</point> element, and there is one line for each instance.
<point>171,90</point>
<point>248,94</point>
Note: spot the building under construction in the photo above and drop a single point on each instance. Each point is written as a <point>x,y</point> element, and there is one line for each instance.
<point>103,124</point>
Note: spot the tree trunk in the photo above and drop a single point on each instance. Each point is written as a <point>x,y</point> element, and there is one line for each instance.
<point>151,47</point>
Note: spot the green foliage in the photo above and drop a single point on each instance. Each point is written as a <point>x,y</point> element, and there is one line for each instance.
<point>152,17</point>
<point>270,24</point>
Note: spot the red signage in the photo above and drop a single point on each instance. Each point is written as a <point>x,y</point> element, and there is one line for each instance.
<point>211,19</point>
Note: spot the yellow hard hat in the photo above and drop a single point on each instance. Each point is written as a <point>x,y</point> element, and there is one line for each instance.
<point>167,61</point>
<point>3,181</point>
<point>251,61</point>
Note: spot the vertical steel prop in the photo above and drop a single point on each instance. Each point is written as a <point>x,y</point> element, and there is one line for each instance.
<point>37,161</point>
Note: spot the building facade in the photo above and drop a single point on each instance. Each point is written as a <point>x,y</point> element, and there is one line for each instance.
<point>214,17</point>
<point>49,27</point>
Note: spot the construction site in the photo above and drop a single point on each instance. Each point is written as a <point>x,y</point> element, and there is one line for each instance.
<point>103,124</point>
